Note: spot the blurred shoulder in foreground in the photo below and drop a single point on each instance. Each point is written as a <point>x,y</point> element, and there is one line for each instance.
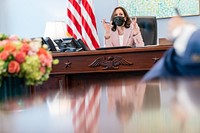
<point>183,59</point>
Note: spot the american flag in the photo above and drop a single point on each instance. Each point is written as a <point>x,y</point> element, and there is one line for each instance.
<point>81,22</point>
<point>86,111</point>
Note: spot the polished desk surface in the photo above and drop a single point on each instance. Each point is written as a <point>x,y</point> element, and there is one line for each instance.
<point>107,106</point>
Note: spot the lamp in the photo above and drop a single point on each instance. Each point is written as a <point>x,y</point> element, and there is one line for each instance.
<point>55,29</point>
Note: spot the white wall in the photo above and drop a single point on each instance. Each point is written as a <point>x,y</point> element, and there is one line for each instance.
<point>27,18</point>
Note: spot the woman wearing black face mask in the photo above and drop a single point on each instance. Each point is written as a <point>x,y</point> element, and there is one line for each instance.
<point>121,31</point>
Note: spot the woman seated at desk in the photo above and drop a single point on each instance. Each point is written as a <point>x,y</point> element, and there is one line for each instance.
<point>121,31</point>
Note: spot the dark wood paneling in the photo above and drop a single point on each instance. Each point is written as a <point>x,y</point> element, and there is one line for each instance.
<point>75,66</point>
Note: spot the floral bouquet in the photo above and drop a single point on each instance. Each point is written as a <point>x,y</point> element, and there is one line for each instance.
<point>25,58</point>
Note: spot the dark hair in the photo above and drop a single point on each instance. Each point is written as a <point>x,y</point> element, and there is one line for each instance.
<point>127,22</point>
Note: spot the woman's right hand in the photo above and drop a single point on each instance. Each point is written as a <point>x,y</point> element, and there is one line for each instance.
<point>106,25</point>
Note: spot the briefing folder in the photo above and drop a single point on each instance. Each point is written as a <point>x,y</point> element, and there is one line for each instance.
<point>116,47</point>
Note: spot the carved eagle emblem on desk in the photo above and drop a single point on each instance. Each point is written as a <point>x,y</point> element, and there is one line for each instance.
<point>110,62</point>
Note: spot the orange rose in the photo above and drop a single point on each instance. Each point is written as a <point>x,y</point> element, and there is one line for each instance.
<point>42,51</point>
<point>9,47</point>
<point>13,67</point>
<point>4,55</point>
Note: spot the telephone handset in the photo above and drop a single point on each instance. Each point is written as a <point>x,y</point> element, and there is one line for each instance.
<point>81,44</point>
<point>52,45</point>
<point>66,45</point>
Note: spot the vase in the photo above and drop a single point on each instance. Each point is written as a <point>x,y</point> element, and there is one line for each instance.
<point>12,87</point>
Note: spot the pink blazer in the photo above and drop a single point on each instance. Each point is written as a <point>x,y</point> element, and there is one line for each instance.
<point>128,40</point>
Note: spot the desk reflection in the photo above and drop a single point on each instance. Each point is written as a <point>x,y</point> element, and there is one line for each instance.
<point>184,103</point>
<point>125,97</point>
<point>115,105</point>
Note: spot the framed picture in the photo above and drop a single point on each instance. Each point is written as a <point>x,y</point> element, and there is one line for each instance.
<point>160,8</point>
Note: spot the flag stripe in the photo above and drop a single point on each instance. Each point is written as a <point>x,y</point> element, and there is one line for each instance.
<point>93,127</point>
<point>89,32</point>
<point>74,12</point>
<point>90,12</point>
<point>92,28</point>
<point>70,31</point>
<point>73,18</point>
<point>86,111</point>
<point>71,26</point>
<point>75,5</point>
<point>79,116</point>
<point>82,26</point>
<point>93,110</point>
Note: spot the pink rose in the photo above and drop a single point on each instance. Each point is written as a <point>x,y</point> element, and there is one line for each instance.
<point>46,60</point>
<point>20,57</point>
<point>13,37</point>
<point>13,67</point>
<point>25,47</point>
<point>42,70</point>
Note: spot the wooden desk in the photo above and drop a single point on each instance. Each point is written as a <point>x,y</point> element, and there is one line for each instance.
<point>98,62</point>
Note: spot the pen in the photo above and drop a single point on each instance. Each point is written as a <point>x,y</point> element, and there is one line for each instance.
<point>106,22</point>
<point>177,11</point>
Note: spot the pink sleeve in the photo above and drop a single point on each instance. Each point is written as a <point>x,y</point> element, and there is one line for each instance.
<point>138,40</point>
<point>108,42</point>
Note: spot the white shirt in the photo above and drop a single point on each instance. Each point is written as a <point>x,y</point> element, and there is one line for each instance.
<point>121,38</point>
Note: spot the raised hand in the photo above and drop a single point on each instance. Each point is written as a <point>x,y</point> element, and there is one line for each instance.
<point>106,25</point>
<point>135,26</point>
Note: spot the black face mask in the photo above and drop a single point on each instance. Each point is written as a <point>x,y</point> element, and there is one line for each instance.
<point>119,21</point>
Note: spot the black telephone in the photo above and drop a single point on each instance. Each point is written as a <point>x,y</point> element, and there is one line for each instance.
<point>51,44</point>
<point>66,45</point>
<point>81,44</point>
